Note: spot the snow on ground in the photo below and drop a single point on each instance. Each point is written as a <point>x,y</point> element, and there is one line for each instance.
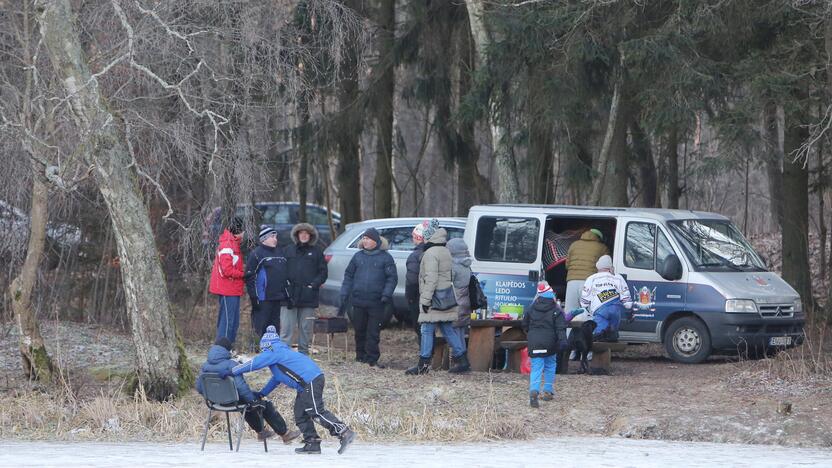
<point>561,452</point>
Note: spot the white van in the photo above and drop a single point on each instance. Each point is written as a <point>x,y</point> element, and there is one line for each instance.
<point>697,284</point>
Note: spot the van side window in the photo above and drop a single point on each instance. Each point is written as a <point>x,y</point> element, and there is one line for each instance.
<point>501,239</point>
<point>639,246</point>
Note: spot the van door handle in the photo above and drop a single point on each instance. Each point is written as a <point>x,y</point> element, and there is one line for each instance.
<point>534,275</point>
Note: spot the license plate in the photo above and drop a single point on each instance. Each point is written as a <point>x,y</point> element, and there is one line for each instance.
<point>780,341</point>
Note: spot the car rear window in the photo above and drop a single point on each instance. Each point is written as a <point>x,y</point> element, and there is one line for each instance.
<point>400,239</point>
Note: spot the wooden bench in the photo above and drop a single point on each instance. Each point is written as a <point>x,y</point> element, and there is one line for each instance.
<point>601,354</point>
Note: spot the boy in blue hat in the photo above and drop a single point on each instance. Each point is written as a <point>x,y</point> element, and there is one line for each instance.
<point>546,334</point>
<point>298,371</point>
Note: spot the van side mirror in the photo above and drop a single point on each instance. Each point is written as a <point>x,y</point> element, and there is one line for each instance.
<point>671,268</point>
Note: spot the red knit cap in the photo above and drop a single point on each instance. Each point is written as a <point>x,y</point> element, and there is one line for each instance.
<point>543,287</point>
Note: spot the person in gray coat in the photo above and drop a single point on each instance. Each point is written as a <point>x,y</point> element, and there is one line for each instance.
<point>461,277</point>
<point>434,277</point>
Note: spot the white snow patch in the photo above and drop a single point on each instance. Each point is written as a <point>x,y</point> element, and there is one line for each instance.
<point>561,452</point>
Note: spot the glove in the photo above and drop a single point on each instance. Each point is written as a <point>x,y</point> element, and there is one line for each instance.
<point>385,299</point>
<point>425,308</point>
<point>258,396</point>
<point>223,373</point>
<point>255,304</point>
<point>342,309</point>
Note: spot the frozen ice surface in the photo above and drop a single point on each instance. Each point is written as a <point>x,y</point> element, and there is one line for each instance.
<point>560,452</point>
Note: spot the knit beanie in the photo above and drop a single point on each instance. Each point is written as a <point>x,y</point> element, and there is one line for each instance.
<point>430,228</point>
<point>269,338</point>
<point>266,232</point>
<point>604,263</point>
<point>374,235</point>
<point>597,233</point>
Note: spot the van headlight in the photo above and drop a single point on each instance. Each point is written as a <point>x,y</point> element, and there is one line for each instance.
<point>740,306</point>
<point>797,306</point>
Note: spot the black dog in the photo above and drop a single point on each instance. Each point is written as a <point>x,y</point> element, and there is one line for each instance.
<point>580,341</point>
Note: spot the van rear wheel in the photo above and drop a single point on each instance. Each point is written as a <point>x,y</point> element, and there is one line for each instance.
<point>687,340</point>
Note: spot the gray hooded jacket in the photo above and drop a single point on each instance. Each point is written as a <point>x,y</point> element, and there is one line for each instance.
<point>461,277</point>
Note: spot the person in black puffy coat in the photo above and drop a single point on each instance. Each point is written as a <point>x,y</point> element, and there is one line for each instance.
<point>545,329</point>
<point>307,273</point>
<point>369,282</point>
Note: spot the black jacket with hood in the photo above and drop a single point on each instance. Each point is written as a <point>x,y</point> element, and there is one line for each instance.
<point>307,267</point>
<point>545,327</point>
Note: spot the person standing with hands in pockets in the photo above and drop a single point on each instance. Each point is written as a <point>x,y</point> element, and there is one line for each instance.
<point>227,275</point>
<point>267,281</point>
<point>369,282</point>
<point>307,272</point>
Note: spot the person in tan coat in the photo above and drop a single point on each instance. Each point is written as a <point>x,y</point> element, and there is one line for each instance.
<point>435,280</point>
<point>580,264</point>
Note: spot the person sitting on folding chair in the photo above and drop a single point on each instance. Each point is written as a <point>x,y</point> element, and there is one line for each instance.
<point>219,360</point>
<point>299,372</point>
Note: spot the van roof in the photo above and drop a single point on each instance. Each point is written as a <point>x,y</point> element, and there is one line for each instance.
<point>407,220</point>
<point>659,214</point>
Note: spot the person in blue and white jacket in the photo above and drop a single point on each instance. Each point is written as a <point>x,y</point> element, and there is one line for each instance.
<point>299,372</point>
<point>606,297</point>
<point>267,282</point>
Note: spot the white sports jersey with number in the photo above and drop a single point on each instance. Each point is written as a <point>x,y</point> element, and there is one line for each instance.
<point>604,287</point>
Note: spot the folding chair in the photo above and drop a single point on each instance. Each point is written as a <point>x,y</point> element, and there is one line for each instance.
<point>221,395</point>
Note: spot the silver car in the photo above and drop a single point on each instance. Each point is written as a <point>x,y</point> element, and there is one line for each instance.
<point>397,231</point>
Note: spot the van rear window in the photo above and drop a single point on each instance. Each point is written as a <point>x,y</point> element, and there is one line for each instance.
<point>502,239</point>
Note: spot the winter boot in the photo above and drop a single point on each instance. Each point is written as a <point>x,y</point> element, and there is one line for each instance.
<point>289,436</point>
<point>422,368</point>
<point>547,396</point>
<point>264,434</point>
<point>533,400</point>
<point>310,447</point>
<point>346,439</point>
<point>462,364</point>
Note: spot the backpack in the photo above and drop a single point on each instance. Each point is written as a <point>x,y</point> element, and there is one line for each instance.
<point>476,297</point>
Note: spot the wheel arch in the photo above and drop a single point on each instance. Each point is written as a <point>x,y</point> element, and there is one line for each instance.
<point>676,316</point>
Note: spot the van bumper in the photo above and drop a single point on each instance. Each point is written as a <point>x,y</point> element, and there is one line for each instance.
<point>740,331</point>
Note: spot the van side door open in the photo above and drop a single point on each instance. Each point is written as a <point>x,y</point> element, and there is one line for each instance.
<point>642,252</point>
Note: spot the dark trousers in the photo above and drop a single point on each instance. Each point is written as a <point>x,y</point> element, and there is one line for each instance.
<point>309,408</point>
<point>367,322</point>
<point>266,313</point>
<point>270,415</point>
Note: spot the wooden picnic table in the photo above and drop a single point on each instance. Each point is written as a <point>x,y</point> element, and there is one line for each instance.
<point>482,340</point>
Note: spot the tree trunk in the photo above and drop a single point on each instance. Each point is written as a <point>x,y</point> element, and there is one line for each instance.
<point>163,368</point>
<point>648,176</point>
<point>348,135</point>
<point>36,362</point>
<point>508,183</point>
<point>674,192</point>
<point>773,162</point>
<point>303,169</point>
<point>385,88</point>
<point>610,187</point>
<point>541,143</point>
<point>795,225</point>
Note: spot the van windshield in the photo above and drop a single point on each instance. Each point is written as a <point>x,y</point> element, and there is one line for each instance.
<point>715,245</point>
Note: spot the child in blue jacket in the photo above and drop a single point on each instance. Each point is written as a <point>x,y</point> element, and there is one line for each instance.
<point>299,372</point>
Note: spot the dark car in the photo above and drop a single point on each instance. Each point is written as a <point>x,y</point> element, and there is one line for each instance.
<point>281,216</point>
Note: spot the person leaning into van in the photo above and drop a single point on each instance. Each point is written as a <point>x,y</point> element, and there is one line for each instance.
<point>307,272</point>
<point>227,275</point>
<point>580,264</point>
<point>438,305</point>
<point>606,296</point>
<point>267,281</point>
<point>369,282</point>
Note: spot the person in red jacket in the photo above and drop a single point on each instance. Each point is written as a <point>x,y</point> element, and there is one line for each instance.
<point>227,279</point>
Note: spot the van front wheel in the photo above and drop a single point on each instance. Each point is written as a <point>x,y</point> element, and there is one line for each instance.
<point>687,340</point>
